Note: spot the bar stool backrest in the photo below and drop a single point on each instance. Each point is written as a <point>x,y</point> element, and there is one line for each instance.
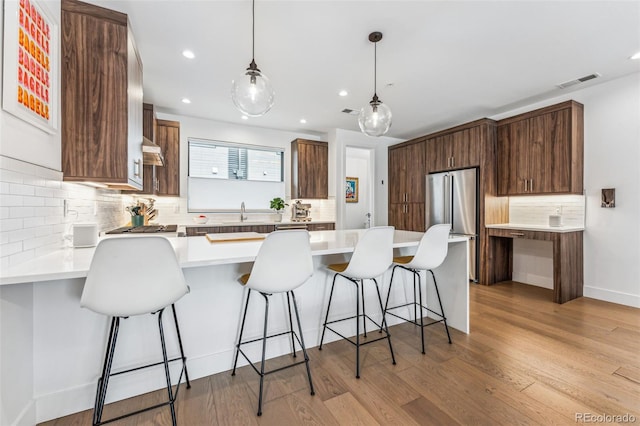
<point>432,249</point>
<point>283,262</point>
<point>372,255</point>
<point>133,276</point>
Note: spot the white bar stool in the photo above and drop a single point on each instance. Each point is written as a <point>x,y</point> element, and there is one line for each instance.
<point>371,257</point>
<point>119,286</point>
<point>283,264</point>
<point>430,254</point>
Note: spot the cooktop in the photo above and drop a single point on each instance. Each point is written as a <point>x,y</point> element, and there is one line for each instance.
<point>144,229</point>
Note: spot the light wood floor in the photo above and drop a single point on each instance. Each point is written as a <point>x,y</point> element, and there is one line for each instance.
<point>526,361</point>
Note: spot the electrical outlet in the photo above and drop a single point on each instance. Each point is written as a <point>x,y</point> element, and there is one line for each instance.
<point>95,208</point>
<point>65,208</point>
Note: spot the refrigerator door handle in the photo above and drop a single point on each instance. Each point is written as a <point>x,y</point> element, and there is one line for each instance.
<point>446,202</point>
<point>450,204</point>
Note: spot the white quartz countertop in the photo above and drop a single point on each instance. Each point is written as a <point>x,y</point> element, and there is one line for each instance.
<point>527,227</point>
<point>192,252</point>
<point>253,223</point>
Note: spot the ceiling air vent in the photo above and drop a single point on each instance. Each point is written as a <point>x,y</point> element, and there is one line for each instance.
<point>578,80</point>
<point>351,111</point>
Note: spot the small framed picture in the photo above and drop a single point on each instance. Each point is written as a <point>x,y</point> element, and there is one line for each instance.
<point>351,190</point>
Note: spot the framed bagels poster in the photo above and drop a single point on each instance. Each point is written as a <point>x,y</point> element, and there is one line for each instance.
<point>30,67</point>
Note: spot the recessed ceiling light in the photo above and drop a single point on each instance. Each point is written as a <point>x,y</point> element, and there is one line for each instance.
<point>303,121</point>
<point>636,56</point>
<point>186,101</point>
<point>343,93</point>
<point>188,54</point>
<point>244,117</point>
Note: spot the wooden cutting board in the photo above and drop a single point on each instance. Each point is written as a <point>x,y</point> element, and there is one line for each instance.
<point>235,237</point>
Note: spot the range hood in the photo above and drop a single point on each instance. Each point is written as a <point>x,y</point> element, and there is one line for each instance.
<point>151,153</point>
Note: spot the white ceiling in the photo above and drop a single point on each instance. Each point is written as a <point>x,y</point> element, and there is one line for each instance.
<point>440,63</point>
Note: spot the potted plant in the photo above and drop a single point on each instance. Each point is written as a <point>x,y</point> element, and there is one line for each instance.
<point>278,205</point>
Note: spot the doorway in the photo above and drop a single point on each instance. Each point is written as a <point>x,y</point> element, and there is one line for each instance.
<point>359,171</point>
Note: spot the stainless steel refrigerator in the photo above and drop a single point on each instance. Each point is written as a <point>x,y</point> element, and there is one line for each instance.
<point>452,197</point>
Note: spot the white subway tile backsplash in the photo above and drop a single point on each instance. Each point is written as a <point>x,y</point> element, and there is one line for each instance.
<point>32,221</point>
<point>535,210</point>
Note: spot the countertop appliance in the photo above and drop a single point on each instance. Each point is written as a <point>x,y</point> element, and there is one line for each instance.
<point>300,212</point>
<point>147,229</point>
<point>452,197</point>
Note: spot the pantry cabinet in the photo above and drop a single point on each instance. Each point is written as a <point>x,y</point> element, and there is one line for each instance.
<point>406,185</point>
<point>541,152</point>
<point>101,99</point>
<point>309,169</point>
<point>168,177</point>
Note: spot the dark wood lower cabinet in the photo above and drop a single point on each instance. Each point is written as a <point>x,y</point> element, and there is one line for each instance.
<point>407,216</point>
<point>193,231</point>
<point>568,276</point>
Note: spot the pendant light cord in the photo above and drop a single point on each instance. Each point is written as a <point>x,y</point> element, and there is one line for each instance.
<point>253,29</point>
<point>375,68</point>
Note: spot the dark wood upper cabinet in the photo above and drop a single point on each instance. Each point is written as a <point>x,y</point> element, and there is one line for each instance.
<point>168,177</point>
<point>541,152</point>
<point>101,99</point>
<point>454,149</point>
<point>309,169</point>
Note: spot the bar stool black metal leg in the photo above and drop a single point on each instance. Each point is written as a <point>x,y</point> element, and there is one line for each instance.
<point>293,344</point>
<point>101,392</point>
<point>444,319</point>
<point>165,359</point>
<point>326,318</point>
<point>357,331</point>
<point>184,358</point>
<point>364,313</point>
<point>384,321</point>
<point>244,317</point>
<point>415,307</point>
<point>304,348</point>
<point>386,303</point>
<point>421,310</point>
<point>264,351</point>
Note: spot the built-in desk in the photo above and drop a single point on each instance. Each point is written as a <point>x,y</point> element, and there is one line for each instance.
<point>567,243</point>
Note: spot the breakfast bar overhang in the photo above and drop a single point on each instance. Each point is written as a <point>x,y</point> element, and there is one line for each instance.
<point>51,349</point>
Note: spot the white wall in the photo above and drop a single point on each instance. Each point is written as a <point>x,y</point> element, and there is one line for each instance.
<point>611,159</point>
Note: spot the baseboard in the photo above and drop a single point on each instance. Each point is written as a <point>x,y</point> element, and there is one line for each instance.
<point>27,416</point>
<point>620,298</point>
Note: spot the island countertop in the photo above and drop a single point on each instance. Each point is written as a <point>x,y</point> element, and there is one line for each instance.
<point>192,252</point>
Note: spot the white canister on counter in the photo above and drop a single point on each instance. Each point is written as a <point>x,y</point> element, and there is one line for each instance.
<point>555,219</point>
<point>85,234</point>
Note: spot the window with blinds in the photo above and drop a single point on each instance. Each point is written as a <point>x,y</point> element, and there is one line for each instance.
<point>223,160</point>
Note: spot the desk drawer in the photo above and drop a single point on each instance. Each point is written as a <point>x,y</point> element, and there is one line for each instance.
<point>520,233</point>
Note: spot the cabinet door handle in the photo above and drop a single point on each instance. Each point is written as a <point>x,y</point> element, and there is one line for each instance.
<point>453,161</point>
<point>136,168</point>
<point>531,185</point>
<point>517,234</point>
<point>526,182</point>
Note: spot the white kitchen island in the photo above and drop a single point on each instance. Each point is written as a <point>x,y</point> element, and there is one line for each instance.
<point>52,350</point>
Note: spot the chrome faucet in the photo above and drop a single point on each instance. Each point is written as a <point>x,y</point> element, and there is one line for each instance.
<point>242,211</point>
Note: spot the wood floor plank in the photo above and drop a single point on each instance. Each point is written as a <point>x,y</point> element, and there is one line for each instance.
<point>526,361</point>
<point>425,412</point>
<point>631,373</point>
<point>557,401</point>
<point>348,412</point>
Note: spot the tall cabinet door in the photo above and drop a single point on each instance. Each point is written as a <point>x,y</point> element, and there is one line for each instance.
<point>397,175</point>
<point>168,177</point>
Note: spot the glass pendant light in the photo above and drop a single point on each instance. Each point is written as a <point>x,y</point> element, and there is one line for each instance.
<point>375,119</point>
<point>252,92</point>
